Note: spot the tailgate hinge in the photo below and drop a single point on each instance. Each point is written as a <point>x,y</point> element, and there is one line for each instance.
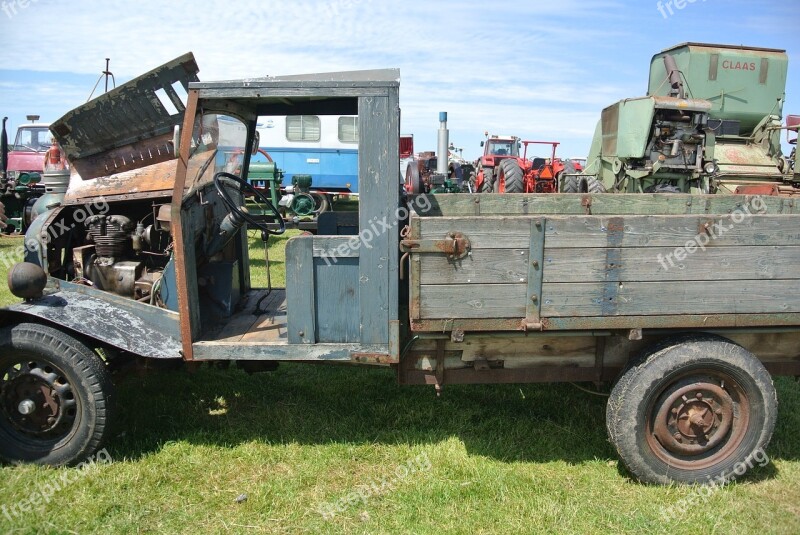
<point>455,246</point>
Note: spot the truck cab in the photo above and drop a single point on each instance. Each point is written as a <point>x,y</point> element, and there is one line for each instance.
<point>23,163</point>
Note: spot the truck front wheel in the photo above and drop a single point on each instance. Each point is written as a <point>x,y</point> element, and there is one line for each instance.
<point>696,410</point>
<point>55,397</point>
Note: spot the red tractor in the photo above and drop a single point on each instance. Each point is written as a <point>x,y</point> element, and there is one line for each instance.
<point>504,171</point>
<point>496,149</point>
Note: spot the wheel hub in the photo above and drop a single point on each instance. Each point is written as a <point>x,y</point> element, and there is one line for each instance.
<point>26,407</point>
<point>694,419</point>
<point>36,400</point>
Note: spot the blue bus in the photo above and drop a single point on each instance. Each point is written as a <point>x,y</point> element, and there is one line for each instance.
<point>324,146</point>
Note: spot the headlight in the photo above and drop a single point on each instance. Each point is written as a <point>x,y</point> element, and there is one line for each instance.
<point>711,168</point>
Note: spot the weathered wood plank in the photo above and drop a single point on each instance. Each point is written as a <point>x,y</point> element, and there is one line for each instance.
<point>660,264</point>
<point>282,351</point>
<point>603,204</point>
<point>336,301</point>
<point>335,247</point>
<point>483,232</point>
<point>673,231</point>
<point>500,232</point>
<point>681,297</point>
<point>478,301</point>
<point>300,290</point>
<point>241,322</point>
<point>535,270</point>
<point>376,161</point>
<point>481,267</point>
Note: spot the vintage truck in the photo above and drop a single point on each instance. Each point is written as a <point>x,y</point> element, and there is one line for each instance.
<point>689,303</point>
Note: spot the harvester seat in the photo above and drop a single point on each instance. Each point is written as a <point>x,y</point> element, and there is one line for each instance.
<point>501,152</point>
<point>538,163</point>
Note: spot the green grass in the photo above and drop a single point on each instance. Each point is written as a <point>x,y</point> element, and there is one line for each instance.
<point>503,459</point>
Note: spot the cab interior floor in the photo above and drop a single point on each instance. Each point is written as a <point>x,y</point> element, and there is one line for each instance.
<point>265,325</point>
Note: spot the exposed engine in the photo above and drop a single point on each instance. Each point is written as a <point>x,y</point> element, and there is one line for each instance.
<point>677,140</point>
<point>124,256</point>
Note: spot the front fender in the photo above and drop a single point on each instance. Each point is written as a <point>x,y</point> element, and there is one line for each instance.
<point>137,328</point>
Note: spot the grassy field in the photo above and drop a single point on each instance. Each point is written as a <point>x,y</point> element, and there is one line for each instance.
<point>304,441</point>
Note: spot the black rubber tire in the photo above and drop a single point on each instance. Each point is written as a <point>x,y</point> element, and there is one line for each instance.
<point>594,186</point>
<point>90,385</point>
<point>567,181</point>
<point>571,184</point>
<point>582,184</point>
<point>685,362</point>
<point>511,176</point>
<point>487,186</point>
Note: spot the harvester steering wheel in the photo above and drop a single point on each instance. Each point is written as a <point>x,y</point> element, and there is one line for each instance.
<point>241,211</point>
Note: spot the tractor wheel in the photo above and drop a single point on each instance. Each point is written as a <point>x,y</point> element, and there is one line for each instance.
<point>696,409</point>
<point>594,186</point>
<point>581,184</point>
<point>413,181</point>
<point>567,184</point>
<point>55,397</point>
<point>487,186</point>
<point>510,178</point>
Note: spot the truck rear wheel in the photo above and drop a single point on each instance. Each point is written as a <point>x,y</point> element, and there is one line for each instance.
<point>509,179</point>
<point>697,409</point>
<point>55,397</point>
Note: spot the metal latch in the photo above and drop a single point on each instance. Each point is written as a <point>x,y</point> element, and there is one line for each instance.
<point>455,246</point>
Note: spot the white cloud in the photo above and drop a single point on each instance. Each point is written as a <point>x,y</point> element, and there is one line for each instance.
<point>528,68</point>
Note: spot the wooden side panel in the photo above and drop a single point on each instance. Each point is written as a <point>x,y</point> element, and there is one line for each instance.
<point>735,266</point>
<point>336,301</point>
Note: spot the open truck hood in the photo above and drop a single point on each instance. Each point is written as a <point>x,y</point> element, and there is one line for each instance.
<point>121,142</point>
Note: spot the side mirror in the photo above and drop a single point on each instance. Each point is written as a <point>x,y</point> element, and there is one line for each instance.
<point>482,144</point>
<point>256,143</point>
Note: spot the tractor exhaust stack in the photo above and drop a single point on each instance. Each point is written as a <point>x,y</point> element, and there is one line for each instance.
<point>674,76</point>
<point>443,154</point>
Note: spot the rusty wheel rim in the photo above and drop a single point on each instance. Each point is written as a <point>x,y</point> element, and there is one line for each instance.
<point>697,421</point>
<point>37,401</point>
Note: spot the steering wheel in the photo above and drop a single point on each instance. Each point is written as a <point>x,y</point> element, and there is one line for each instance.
<point>241,211</point>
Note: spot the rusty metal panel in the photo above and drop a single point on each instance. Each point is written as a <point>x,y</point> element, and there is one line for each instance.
<point>128,114</point>
<point>122,323</point>
<point>152,181</point>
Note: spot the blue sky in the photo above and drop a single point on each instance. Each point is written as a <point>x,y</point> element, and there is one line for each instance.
<point>540,69</point>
